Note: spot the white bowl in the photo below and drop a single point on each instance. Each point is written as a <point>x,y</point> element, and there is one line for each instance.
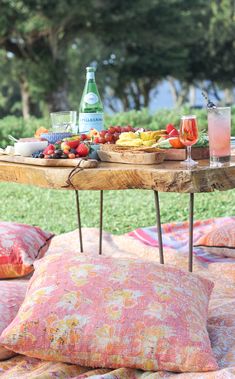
<point>26,149</point>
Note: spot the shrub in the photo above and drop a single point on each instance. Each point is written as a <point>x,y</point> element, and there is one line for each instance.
<point>17,127</point>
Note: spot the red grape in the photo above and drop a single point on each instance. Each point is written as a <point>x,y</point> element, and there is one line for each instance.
<point>118,129</point>
<point>101,140</point>
<point>116,136</point>
<point>96,140</point>
<point>102,133</point>
<point>111,130</point>
<point>108,137</point>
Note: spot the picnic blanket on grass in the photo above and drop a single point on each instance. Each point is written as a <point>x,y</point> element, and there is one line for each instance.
<point>142,243</point>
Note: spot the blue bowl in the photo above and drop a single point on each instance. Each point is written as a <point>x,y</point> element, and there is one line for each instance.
<point>93,152</point>
<point>54,137</point>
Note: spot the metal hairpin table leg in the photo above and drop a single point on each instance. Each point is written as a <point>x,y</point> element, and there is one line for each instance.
<point>159,228</point>
<point>101,221</point>
<point>79,221</point>
<point>190,258</point>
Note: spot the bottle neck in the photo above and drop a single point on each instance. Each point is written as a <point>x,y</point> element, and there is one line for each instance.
<point>90,75</point>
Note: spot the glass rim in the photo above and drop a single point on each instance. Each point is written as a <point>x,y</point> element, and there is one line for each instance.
<point>220,108</point>
<point>188,117</point>
<point>62,112</point>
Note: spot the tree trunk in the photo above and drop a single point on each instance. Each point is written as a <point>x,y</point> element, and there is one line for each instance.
<point>173,89</point>
<point>192,95</point>
<point>146,86</point>
<point>58,99</point>
<point>25,97</point>
<point>228,96</point>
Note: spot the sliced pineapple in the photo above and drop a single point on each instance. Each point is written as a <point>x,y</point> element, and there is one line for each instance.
<point>149,143</point>
<point>146,136</point>
<point>150,135</point>
<point>132,143</point>
<point>127,136</point>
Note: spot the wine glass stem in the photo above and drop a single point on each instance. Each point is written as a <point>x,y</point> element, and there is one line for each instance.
<point>189,153</point>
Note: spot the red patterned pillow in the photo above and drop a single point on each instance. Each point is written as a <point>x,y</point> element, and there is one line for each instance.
<point>12,294</point>
<point>220,240</point>
<point>105,312</point>
<point>20,246</point>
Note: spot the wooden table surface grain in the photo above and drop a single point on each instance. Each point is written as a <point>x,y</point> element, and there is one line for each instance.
<point>169,176</point>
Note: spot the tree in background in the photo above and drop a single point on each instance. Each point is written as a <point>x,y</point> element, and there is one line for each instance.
<point>37,34</point>
<point>134,44</point>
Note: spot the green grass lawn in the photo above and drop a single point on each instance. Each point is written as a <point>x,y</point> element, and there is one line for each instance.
<point>124,211</point>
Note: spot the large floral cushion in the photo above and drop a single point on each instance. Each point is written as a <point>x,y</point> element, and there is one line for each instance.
<point>105,312</point>
<point>20,245</point>
<point>12,294</point>
<point>220,240</point>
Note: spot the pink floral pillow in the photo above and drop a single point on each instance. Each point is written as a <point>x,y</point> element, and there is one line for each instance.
<point>12,294</point>
<point>220,240</point>
<point>107,312</point>
<point>20,246</point>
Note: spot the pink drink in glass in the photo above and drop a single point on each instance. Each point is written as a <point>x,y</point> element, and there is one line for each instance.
<point>219,132</point>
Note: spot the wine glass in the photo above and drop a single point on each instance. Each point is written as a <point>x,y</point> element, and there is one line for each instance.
<point>188,136</point>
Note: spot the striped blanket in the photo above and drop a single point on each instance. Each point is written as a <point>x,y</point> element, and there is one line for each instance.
<point>175,236</point>
<point>143,243</point>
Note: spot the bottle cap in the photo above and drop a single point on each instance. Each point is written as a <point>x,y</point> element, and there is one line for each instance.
<point>90,69</point>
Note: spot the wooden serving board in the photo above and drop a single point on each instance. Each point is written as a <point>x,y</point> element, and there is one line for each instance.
<point>90,163</point>
<point>137,157</point>
<point>180,154</point>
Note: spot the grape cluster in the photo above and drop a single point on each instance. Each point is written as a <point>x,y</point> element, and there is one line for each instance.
<point>38,154</point>
<point>111,135</point>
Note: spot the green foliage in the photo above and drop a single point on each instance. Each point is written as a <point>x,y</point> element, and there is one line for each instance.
<point>159,120</point>
<point>18,127</point>
<point>134,44</point>
<point>123,210</point>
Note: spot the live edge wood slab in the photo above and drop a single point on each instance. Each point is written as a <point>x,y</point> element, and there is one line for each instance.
<point>166,177</point>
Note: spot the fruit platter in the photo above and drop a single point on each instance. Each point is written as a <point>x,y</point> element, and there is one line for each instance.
<point>123,144</point>
<point>143,146</point>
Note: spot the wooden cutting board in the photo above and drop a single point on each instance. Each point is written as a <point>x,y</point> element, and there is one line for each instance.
<point>90,163</point>
<point>137,157</point>
<point>180,154</point>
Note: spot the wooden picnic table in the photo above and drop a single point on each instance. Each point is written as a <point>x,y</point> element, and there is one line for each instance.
<point>168,176</point>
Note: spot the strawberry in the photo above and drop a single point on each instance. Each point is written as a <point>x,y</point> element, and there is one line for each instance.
<point>49,148</point>
<point>73,144</point>
<point>82,150</point>
<point>169,128</point>
<point>83,137</point>
<point>96,140</point>
<point>174,133</point>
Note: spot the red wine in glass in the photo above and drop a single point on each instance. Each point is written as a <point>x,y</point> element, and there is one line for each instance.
<point>188,136</point>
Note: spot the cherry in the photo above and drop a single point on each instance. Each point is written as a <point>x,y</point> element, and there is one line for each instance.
<point>118,129</point>
<point>96,140</point>
<point>111,130</point>
<point>101,140</point>
<point>108,137</point>
<point>102,133</point>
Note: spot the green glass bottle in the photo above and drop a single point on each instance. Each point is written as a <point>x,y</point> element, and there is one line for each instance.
<point>91,112</point>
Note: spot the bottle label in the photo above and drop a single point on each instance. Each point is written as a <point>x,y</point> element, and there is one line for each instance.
<point>91,98</point>
<point>89,121</point>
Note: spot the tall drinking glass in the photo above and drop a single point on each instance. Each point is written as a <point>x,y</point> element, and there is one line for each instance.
<point>64,121</point>
<point>219,132</point>
<point>188,136</point>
